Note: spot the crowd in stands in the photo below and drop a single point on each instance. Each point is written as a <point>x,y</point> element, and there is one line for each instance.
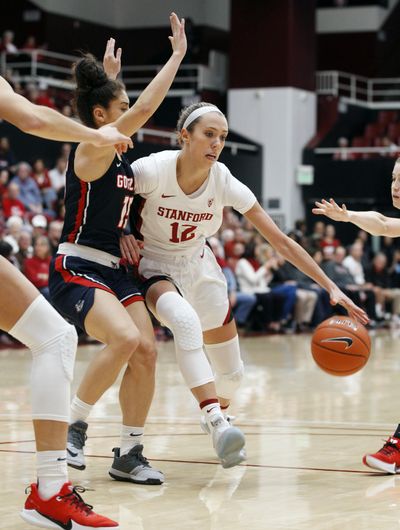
<point>267,294</point>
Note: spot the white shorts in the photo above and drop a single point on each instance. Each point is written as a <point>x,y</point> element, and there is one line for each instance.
<point>200,281</point>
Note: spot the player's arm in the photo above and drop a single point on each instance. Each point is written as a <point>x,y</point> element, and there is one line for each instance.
<point>145,106</point>
<point>296,254</point>
<point>47,123</point>
<point>153,95</point>
<point>372,222</point>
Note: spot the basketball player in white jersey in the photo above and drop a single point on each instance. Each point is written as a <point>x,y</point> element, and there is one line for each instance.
<point>183,194</point>
<point>386,459</point>
<point>28,317</point>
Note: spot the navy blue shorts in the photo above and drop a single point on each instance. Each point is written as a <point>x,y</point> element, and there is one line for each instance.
<point>73,282</point>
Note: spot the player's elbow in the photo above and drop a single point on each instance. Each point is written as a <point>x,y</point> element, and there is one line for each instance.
<point>31,124</point>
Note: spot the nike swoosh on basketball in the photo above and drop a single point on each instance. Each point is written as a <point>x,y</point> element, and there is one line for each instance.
<point>347,340</point>
<point>163,196</point>
<point>72,453</point>
<point>65,526</point>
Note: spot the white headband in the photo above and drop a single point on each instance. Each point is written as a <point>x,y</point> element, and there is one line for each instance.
<point>197,113</point>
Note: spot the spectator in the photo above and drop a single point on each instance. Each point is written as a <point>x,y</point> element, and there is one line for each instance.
<point>39,225</point>
<point>4,180</point>
<point>338,272</point>
<point>36,268</point>
<point>7,156</point>
<point>353,262</point>
<point>25,248</point>
<point>57,174</point>
<point>329,240</point>
<point>318,234</point>
<point>391,149</point>
<point>342,153</point>
<point>29,192</point>
<point>41,176</point>
<point>379,276</point>
<point>30,43</point>
<point>54,235</point>
<point>242,303</point>
<point>65,151</point>
<point>13,231</point>
<point>7,43</point>
<point>12,205</point>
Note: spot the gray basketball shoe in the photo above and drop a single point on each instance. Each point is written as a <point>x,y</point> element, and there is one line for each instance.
<point>228,442</point>
<point>134,467</point>
<point>75,444</point>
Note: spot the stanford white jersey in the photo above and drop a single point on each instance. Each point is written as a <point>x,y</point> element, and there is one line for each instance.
<point>170,221</point>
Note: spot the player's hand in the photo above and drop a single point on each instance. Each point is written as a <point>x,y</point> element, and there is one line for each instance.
<point>110,135</point>
<point>338,297</point>
<point>331,210</point>
<point>130,248</point>
<point>178,39</point>
<point>112,60</point>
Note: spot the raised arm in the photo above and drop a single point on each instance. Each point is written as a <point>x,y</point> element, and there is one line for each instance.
<point>296,254</point>
<point>47,123</point>
<point>152,96</point>
<point>372,222</point>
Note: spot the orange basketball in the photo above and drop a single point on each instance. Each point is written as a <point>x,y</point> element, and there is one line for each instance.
<point>340,345</point>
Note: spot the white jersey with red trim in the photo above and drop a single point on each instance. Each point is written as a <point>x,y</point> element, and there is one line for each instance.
<point>168,220</point>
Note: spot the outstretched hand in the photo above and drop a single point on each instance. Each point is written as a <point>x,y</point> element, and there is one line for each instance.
<point>338,297</point>
<point>178,39</point>
<point>112,60</point>
<point>331,210</point>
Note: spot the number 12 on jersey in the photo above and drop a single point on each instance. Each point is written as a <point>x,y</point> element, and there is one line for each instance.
<point>186,233</point>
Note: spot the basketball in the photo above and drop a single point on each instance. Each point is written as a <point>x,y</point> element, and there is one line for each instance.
<point>340,345</point>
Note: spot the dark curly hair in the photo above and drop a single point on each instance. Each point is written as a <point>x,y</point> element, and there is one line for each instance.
<point>93,87</point>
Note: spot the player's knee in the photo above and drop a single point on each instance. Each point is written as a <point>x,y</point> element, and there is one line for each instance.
<point>125,344</point>
<point>176,313</point>
<point>145,355</point>
<point>186,327</point>
<point>227,384</point>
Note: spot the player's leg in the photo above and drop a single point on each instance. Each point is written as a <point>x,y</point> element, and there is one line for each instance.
<point>135,395</point>
<point>107,321</point>
<point>179,316</point>
<point>32,321</point>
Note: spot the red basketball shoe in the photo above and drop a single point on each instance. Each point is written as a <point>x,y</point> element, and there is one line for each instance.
<point>386,459</point>
<point>66,510</point>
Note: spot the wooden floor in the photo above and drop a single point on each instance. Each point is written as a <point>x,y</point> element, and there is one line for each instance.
<point>306,434</point>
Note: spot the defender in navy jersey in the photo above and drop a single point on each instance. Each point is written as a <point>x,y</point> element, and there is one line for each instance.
<point>88,285</point>
<point>96,212</point>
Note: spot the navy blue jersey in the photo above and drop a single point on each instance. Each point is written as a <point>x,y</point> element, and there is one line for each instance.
<point>97,212</point>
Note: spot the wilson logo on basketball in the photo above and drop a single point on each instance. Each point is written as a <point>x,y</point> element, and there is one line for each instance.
<point>347,340</point>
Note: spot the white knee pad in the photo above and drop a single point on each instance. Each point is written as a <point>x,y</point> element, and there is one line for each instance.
<point>53,344</point>
<point>228,366</point>
<point>180,317</point>
<point>228,384</point>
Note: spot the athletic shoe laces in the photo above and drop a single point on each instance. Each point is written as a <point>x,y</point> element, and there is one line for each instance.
<point>137,452</point>
<point>389,447</point>
<point>79,438</point>
<point>76,500</point>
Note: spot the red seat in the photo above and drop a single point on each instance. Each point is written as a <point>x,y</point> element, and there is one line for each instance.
<point>387,116</point>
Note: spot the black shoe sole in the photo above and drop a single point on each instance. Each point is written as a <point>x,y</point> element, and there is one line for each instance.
<point>148,482</point>
<point>81,468</point>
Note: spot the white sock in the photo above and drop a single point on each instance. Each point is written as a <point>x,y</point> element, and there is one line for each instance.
<point>79,410</point>
<point>51,472</point>
<point>130,436</point>
<point>211,411</point>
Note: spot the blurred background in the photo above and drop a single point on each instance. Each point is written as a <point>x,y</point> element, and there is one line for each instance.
<point>311,90</point>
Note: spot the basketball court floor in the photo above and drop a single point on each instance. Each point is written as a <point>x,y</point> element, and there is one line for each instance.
<point>306,434</point>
